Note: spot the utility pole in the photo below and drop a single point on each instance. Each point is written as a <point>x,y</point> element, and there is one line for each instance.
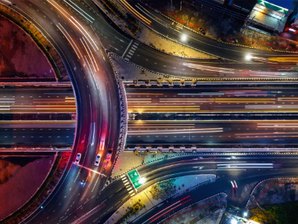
<point>181,2</point>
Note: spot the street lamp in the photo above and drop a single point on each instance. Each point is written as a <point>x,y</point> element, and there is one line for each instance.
<point>142,180</point>
<point>248,57</point>
<point>184,37</point>
<point>234,221</point>
<point>245,214</point>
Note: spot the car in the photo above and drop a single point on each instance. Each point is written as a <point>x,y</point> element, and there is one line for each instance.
<point>83,183</point>
<point>101,145</point>
<point>234,185</point>
<point>108,158</point>
<point>97,160</point>
<point>78,158</point>
<point>202,31</point>
<point>109,154</point>
<point>293,29</point>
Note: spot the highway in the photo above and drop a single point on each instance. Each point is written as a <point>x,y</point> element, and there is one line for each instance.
<point>117,42</point>
<point>97,98</point>
<point>34,137</point>
<point>37,116</point>
<point>157,215</point>
<point>215,133</point>
<point>215,99</point>
<point>208,115</point>
<point>164,26</point>
<point>80,32</point>
<point>255,115</point>
<point>116,193</point>
<point>35,100</point>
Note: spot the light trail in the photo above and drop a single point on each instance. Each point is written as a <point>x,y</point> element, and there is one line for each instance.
<point>135,12</point>
<point>74,22</point>
<point>85,45</point>
<point>91,55</point>
<point>175,131</point>
<point>70,41</point>
<point>223,166</point>
<point>80,11</point>
<point>86,34</point>
<point>161,108</point>
<point>89,169</point>
<point>28,124</point>
<point>169,209</point>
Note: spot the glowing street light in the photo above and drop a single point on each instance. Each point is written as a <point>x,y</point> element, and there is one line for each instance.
<point>184,37</point>
<point>245,214</point>
<point>234,221</point>
<point>142,180</point>
<point>248,57</point>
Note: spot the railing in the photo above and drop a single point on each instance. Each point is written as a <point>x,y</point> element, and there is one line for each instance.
<point>123,111</point>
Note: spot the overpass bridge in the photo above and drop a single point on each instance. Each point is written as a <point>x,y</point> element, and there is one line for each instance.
<point>238,116</point>
<point>37,116</point>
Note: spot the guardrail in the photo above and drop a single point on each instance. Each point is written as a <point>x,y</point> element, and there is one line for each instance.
<point>33,83</point>
<point>34,149</point>
<point>123,111</point>
<point>213,151</point>
<point>210,81</point>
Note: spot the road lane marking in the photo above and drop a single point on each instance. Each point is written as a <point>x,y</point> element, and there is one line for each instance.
<point>95,184</point>
<point>130,43</point>
<point>89,169</point>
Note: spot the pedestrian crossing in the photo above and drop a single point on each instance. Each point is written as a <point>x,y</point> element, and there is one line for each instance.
<point>128,185</point>
<point>130,50</point>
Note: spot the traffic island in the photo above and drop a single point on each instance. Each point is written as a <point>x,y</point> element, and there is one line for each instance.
<point>20,57</point>
<point>274,200</point>
<point>21,177</point>
<point>46,51</point>
<point>209,210</point>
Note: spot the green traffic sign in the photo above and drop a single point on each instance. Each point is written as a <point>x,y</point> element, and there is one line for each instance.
<point>134,178</point>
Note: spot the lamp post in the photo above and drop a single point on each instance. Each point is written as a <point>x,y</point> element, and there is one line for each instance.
<point>184,38</point>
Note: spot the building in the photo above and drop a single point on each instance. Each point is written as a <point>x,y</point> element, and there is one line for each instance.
<point>267,17</point>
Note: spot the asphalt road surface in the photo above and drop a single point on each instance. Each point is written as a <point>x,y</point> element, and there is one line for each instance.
<point>214,116</point>
<point>97,97</point>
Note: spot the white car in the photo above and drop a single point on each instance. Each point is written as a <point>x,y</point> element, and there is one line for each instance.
<point>78,158</point>
<point>97,160</point>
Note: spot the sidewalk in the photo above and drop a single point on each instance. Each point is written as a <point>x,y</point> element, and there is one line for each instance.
<point>126,161</point>
<point>129,71</point>
<point>160,43</point>
<point>129,160</point>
